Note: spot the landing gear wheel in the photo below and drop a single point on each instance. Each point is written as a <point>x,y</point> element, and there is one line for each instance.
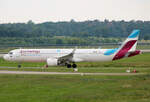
<point>68,65</point>
<point>74,65</point>
<point>19,66</point>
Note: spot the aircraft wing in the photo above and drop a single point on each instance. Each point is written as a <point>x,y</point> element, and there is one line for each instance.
<point>67,58</point>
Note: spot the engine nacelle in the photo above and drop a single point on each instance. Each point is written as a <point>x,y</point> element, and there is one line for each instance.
<point>52,62</point>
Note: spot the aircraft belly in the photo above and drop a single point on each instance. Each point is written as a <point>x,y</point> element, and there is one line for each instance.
<point>32,59</point>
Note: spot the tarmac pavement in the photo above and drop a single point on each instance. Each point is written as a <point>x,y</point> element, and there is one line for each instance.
<point>67,73</point>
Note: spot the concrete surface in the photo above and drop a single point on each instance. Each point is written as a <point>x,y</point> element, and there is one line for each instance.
<point>66,73</point>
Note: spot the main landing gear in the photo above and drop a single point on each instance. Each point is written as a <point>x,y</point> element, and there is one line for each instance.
<point>73,65</point>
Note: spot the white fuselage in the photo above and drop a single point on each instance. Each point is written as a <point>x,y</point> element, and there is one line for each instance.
<point>41,55</point>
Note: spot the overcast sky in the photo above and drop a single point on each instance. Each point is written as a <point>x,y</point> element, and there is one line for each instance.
<point>64,10</point>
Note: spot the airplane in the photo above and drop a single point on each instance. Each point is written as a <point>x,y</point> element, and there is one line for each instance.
<point>69,57</point>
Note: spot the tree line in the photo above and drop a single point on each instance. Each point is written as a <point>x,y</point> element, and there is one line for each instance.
<point>72,31</point>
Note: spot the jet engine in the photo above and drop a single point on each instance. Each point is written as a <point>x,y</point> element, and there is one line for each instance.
<point>52,62</point>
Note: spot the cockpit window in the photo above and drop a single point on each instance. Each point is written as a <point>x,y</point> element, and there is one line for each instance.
<point>10,53</point>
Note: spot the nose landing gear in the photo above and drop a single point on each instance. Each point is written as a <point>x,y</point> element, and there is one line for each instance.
<point>19,66</point>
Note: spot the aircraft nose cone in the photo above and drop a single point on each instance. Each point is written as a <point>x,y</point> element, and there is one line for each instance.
<point>5,57</point>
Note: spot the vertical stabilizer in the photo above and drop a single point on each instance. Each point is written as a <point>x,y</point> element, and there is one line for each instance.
<point>129,45</point>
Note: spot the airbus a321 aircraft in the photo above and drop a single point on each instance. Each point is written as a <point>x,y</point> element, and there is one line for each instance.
<point>69,57</point>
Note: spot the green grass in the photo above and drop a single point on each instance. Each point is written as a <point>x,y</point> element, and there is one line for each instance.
<point>82,69</point>
<point>74,88</point>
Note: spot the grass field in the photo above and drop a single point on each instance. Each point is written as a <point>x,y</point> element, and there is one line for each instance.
<point>58,88</point>
<point>76,88</point>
